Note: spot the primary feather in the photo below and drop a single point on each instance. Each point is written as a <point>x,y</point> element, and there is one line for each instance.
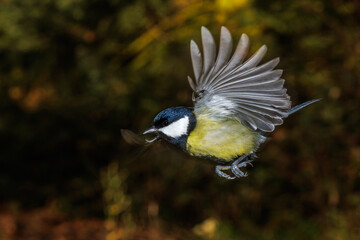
<point>228,87</point>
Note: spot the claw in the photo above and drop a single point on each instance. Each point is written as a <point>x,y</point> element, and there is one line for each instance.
<point>235,168</point>
<point>237,172</point>
<point>221,173</point>
<point>245,163</point>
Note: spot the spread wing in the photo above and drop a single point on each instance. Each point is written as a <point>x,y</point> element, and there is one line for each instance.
<point>228,87</point>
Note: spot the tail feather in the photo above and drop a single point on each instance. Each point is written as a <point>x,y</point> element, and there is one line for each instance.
<point>300,106</point>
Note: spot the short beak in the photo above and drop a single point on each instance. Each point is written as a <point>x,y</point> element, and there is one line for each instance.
<point>150,130</point>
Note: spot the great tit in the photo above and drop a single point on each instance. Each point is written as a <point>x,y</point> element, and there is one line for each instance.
<point>236,104</point>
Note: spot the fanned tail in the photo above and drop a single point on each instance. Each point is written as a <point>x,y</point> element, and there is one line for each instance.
<point>300,106</point>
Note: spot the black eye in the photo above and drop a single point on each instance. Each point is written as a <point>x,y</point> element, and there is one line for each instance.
<point>165,123</point>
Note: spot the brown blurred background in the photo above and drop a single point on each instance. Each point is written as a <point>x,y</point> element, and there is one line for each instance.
<point>75,72</point>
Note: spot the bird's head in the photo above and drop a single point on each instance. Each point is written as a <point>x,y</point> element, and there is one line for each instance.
<point>173,125</point>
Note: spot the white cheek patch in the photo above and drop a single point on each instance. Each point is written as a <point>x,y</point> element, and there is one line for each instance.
<point>177,128</point>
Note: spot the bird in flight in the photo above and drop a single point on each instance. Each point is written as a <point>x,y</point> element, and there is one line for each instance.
<point>237,103</point>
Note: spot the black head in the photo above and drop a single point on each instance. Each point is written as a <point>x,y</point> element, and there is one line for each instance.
<point>174,125</point>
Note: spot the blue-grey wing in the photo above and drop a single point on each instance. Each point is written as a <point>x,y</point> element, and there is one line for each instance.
<point>226,86</point>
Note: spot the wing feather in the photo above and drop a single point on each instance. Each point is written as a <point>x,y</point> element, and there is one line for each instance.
<point>252,80</point>
<point>253,94</point>
<point>263,104</point>
<point>196,59</point>
<point>240,52</point>
<point>254,60</point>
<point>225,49</point>
<point>192,84</point>
<point>266,67</point>
<point>268,87</point>
<point>209,49</point>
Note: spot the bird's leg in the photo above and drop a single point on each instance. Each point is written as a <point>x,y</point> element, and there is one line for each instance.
<point>242,161</point>
<point>238,163</point>
<point>219,171</point>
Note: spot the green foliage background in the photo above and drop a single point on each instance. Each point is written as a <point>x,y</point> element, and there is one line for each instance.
<point>75,72</point>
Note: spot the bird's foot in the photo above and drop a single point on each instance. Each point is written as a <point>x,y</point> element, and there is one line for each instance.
<point>235,168</point>
<point>219,171</point>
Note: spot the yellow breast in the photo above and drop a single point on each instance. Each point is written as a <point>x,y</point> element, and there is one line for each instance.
<point>222,139</point>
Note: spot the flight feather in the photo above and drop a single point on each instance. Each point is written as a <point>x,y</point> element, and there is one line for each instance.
<point>226,86</point>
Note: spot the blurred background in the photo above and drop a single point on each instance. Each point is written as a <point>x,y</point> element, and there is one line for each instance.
<point>75,72</point>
